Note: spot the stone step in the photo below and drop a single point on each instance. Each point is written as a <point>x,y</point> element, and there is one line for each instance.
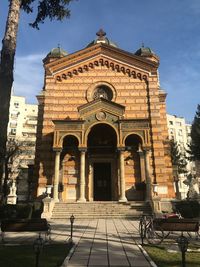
<point>100,209</point>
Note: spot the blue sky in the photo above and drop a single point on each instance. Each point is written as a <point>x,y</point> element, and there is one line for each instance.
<point>171,28</point>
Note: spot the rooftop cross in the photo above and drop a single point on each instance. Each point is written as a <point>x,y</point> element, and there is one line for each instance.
<point>101,34</point>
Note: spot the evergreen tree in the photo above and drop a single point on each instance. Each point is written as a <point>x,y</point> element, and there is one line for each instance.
<point>51,9</point>
<point>178,158</point>
<point>194,146</point>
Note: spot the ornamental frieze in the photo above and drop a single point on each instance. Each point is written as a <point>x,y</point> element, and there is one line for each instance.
<point>109,63</point>
<point>65,125</point>
<point>132,124</point>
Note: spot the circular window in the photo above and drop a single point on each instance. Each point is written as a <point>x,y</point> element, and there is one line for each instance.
<point>103,91</point>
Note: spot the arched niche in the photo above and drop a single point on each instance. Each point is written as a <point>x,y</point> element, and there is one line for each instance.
<point>69,168</point>
<point>134,190</point>
<point>133,142</point>
<point>69,145</point>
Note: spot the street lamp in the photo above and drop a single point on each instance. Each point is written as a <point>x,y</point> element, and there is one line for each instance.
<point>183,246</point>
<point>38,246</point>
<point>72,218</point>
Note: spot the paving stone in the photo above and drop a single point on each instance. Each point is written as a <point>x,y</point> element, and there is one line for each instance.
<point>78,261</point>
<point>97,242</point>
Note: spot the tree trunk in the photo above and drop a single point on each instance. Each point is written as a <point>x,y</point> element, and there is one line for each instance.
<point>6,76</point>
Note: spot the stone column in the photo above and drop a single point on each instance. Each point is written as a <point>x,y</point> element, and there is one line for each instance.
<point>142,164</point>
<point>82,175</point>
<point>122,178</point>
<point>148,178</point>
<point>56,175</point>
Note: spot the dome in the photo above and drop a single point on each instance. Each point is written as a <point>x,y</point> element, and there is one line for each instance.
<point>102,39</point>
<point>57,52</point>
<point>144,51</point>
<point>147,53</point>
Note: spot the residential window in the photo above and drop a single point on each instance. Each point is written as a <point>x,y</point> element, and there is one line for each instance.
<point>16,104</point>
<point>14,115</point>
<point>171,122</point>
<point>180,132</point>
<point>13,131</point>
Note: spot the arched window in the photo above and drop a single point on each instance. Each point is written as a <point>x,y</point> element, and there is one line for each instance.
<point>103,91</point>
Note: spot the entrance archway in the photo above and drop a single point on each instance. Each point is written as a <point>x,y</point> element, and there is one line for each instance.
<point>102,142</point>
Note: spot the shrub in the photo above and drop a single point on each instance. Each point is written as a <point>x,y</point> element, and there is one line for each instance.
<point>19,211</point>
<point>24,211</point>
<point>188,208</point>
<point>140,186</point>
<point>37,209</point>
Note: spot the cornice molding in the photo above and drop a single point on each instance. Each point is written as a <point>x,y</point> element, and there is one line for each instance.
<point>102,48</point>
<point>104,55</point>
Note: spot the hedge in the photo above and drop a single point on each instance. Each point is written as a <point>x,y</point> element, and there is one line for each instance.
<point>21,211</point>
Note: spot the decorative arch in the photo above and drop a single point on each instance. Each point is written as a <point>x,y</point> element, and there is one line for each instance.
<point>96,123</point>
<point>92,87</point>
<point>69,134</point>
<point>138,136</point>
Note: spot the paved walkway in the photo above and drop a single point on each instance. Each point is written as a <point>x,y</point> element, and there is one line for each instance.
<point>98,242</point>
<point>111,242</point>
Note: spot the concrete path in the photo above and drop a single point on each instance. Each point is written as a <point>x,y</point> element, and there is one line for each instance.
<point>98,242</point>
<point>108,242</point>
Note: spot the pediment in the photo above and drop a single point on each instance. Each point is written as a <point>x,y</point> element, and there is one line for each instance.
<point>101,107</point>
<point>100,55</point>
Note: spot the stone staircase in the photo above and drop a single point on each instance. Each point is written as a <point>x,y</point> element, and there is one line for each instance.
<point>98,209</point>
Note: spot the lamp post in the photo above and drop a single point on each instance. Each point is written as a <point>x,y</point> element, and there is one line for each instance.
<point>183,246</point>
<point>142,230</point>
<point>38,246</point>
<point>72,218</point>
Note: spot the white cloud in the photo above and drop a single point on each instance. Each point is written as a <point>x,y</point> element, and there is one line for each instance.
<point>28,76</point>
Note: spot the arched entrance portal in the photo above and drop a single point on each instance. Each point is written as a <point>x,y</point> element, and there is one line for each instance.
<point>102,175</point>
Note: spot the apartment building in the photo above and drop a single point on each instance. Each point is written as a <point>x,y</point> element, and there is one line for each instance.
<point>180,131</point>
<point>22,129</point>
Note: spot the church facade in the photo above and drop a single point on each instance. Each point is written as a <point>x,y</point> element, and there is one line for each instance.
<point>102,128</point>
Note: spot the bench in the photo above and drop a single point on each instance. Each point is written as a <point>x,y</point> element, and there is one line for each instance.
<point>176,224</point>
<point>25,225</point>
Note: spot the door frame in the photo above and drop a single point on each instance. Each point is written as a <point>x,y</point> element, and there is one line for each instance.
<point>114,177</point>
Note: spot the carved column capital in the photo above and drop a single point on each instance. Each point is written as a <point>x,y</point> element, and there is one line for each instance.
<point>57,149</point>
<point>121,149</point>
<point>82,149</point>
<point>146,150</point>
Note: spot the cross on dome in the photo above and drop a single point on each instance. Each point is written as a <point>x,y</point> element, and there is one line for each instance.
<point>101,34</point>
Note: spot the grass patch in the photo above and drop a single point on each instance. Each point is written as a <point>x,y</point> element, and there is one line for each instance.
<point>163,258</point>
<point>52,255</point>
